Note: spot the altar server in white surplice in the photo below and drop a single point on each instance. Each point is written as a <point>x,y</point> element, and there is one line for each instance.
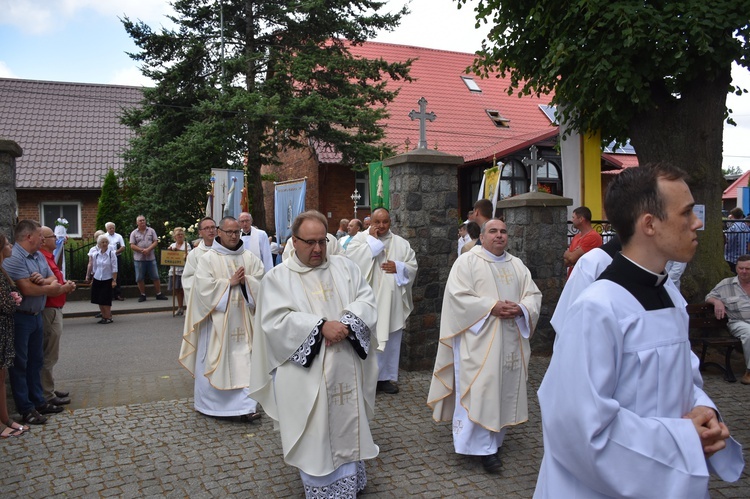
<point>313,367</point>
<point>390,267</point>
<point>218,333</point>
<point>623,409</point>
<point>207,232</point>
<point>490,308</point>
<point>256,240</point>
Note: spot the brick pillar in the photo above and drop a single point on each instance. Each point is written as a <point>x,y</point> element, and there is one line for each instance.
<point>538,235</point>
<point>9,151</point>
<point>424,211</point>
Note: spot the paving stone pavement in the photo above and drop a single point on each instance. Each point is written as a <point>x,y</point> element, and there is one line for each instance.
<point>165,449</point>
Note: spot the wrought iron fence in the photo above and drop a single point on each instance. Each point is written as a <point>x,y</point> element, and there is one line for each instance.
<point>77,260</point>
<point>736,233</point>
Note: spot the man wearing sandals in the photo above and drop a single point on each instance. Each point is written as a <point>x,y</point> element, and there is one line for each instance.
<point>218,332</point>
<point>35,281</point>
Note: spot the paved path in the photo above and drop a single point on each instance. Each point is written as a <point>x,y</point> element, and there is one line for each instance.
<point>123,446</point>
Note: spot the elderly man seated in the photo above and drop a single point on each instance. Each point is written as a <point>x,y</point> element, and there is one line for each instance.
<point>731,298</point>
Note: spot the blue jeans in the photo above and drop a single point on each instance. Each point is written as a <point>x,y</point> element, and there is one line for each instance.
<point>26,374</point>
<point>144,269</point>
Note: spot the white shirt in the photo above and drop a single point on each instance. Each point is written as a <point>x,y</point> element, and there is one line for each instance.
<point>105,264</point>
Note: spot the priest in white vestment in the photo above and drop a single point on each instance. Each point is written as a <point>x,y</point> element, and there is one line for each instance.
<point>313,367</point>
<point>256,240</point>
<point>623,409</point>
<point>207,232</point>
<point>390,267</point>
<point>490,308</point>
<point>218,333</point>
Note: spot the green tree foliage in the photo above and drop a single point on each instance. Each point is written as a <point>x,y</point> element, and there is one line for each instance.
<point>109,209</point>
<point>657,72</point>
<point>731,170</point>
<point>286,78</point>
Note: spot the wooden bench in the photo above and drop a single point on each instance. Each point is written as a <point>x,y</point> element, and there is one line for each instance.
<point>702,318</point>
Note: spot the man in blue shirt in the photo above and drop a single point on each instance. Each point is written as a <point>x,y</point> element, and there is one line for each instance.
<point>34,279</point>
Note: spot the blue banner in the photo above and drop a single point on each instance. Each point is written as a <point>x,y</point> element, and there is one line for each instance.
<point>289,200</point>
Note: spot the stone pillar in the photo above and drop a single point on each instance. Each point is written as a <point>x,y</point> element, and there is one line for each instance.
<point>424,211</point>
<point>9,151</point>
<point>537,234</point>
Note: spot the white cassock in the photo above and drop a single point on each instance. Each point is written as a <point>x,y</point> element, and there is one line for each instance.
<point>259,245</point>
<point>612,402</point>
<point>585,271</point>
<point>218,333</point>
<point>392,291</point>
<point>481,357</point>
<point>332,247</point>
<point>191,263</point>
<point>322,396</point>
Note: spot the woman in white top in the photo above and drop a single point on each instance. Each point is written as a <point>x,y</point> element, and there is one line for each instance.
<point>175,273</point>
<point>103,272</point>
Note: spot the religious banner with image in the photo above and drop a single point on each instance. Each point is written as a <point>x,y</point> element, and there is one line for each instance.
<point>289,201</point>
<point>380,193</point>
<point>490,186</point>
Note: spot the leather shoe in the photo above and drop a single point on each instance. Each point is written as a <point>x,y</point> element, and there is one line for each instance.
<point>49,409</point>
<point>120,298</point>
<point>745,380</point>
<point>161,297</point>
<point>59,401</point>
<point>491,463</point>
<point>387,387</point>
<point>61,394</point>
<point>142,298</point>
<point>33,417</point>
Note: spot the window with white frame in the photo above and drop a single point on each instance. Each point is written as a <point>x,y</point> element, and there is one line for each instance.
<point>362,184</point>
<point>70,211</point>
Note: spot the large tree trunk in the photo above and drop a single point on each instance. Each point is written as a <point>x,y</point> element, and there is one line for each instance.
<point>255,130</point>
<point>688,133</point>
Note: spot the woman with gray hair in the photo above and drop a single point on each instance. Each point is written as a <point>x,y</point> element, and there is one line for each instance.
<point>103,273</point>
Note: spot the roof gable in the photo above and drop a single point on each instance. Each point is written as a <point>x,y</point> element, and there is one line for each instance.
<point>731,191</point>
<point>70,133</point>
<point>463,126</point>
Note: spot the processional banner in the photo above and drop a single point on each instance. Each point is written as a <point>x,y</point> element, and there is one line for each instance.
<point>289,201</point>
<point>490,185</point>
<point>380,191</point>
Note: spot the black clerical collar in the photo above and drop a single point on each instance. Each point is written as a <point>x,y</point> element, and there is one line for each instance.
<point>246,233</point>
<point>645,286</point>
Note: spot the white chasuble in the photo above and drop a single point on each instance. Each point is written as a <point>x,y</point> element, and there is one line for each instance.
<point>493,355</point>
<point>230,310</point>
<point>323,410</point>
<point>392,291</point>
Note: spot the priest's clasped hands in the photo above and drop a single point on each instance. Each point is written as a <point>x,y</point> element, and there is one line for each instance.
<point>506,309</point>
<point>237,277</point>
<point>711,431</point>
<point>334,331</point>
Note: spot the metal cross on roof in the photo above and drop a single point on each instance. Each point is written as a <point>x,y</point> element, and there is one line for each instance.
<point>534,163</point>
<point>423,116</point>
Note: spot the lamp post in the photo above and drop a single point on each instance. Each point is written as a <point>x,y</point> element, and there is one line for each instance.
<point>355,197</point>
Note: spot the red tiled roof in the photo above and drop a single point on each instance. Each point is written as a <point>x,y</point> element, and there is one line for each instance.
<point>462,126</point>
<point>69,132</point>
<point>731,191</point>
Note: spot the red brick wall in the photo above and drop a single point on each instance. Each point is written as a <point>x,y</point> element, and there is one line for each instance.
<point>30,207</point>
<point>329,187</point>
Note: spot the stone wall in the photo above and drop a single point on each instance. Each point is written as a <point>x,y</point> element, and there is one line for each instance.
<point>424,211</point>
<point>537,234</point>
<point>9,151</point>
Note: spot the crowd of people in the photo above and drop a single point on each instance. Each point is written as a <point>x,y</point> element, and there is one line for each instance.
<point>313,338</point>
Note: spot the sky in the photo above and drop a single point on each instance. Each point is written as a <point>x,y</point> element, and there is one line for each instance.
<point>84,41</point>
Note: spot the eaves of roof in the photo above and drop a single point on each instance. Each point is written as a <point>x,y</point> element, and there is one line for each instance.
<point>70,133</point>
